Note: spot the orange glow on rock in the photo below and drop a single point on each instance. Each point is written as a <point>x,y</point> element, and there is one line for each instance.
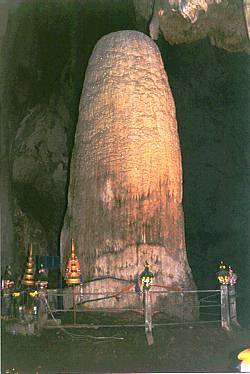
<point>125,194</point>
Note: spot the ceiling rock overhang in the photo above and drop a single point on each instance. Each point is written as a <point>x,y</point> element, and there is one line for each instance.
<point>224,22</point>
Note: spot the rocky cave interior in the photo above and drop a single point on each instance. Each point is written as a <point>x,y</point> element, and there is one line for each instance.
<point>44,53</point>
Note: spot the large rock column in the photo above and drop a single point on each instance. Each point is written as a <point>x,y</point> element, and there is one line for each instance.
<point>125,192</point>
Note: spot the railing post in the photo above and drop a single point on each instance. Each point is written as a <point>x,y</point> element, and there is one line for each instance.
<point>74,305</point>
<point>148,316</point>
<point>42,311</point>
<point>232,305</point>
<point>225,316</point>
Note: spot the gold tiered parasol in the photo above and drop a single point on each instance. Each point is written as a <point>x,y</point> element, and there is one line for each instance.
<point>73,274</point>
<point>29,276</point>
<point>73,269</point>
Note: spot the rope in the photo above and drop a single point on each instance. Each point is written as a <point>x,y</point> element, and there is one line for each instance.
<point>106,277</point>
<point>167,287</point>
<point>125,289</point>
<point>84,337</point>
<point>88,337</point>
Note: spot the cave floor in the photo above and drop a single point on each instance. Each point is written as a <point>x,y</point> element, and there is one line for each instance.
<point>175,349</point>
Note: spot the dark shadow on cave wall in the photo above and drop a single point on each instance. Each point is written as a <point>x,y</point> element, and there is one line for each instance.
<point>211,91</point>
<point>45,56</point>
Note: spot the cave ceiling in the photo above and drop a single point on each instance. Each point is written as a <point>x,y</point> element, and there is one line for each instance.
<point>224,22</point>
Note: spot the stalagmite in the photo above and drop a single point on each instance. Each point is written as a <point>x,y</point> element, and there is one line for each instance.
<point>125,191</point>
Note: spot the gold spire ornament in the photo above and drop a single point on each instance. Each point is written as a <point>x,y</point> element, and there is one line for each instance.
<point>29,276</point>
<point>73,269</point>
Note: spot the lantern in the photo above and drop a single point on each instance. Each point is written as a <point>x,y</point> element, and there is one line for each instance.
<point>42,277</point>
<point>146,276</point>
<point>28,277</point>
<point>244,357</point>
<point>8,279</point>
<point>222,274</point>
<point>232,277</point>
<point>73,269</point>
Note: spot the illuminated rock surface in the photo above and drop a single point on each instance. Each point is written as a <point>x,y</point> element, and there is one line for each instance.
<point>125,193</point>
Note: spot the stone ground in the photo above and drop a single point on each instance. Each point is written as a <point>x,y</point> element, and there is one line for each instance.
<point>205,348</point>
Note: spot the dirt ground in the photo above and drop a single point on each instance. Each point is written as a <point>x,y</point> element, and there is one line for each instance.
<point>205,348</point>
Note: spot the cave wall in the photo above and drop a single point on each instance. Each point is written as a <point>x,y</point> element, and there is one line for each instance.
<point>45,48</point>
<point>6,221</point>
<point>30,86</point>
<point>44,54</point>
<point>6,197</point>
<point>212,95</point>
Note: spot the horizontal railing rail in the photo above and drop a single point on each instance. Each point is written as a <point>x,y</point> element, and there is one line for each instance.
<point>157,307</point>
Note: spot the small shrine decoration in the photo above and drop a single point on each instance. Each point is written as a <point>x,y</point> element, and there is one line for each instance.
<point>226,277</point>
<point>8,278</point>
<point>29,275</point>
<point>73,269</point>
<point>42,277</point>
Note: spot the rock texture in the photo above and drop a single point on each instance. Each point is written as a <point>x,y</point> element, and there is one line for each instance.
<point>6,221</point>
<point>186,21</point>
<point>44,52</point>
<point>125,192</point>
<point>39,174</point>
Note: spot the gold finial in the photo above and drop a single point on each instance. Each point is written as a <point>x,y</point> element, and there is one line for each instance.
<point>28,277</point>
<point>73,270</point>
<point>30,250</point>
<point>73,248</point>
